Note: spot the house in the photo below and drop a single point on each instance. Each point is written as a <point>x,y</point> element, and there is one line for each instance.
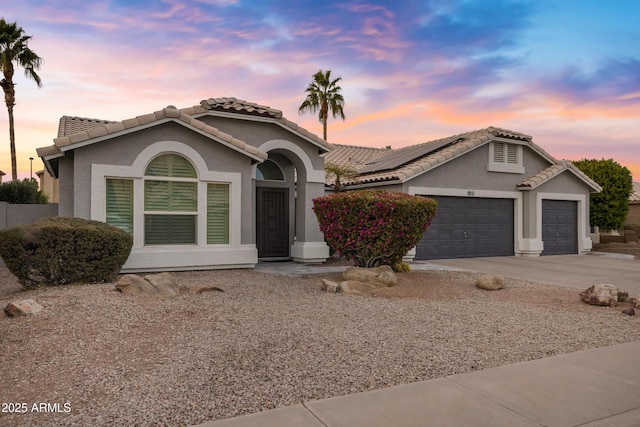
<point>498,193</point>
<point>217,185</point>
<point>633,217</point>
<point>1,175</point>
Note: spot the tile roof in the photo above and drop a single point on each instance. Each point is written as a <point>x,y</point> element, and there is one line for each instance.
<point>69,125</point>
<point>250,109</point>
<point>552,171</point>
<point>354,157</point>
<point>635,193</point>
<point>404,163</point>
<point>2,173</point>
<point>64,143</point>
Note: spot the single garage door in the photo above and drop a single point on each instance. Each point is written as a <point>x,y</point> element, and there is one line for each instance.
<point>559,227</point>
<point>468,227</point>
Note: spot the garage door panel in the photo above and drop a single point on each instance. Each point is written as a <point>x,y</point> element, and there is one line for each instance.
<point>468,227</point>
<point>559,227</point>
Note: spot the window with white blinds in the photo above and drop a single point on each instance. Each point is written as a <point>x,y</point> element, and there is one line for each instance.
<point>217,214</point>
<point>119,203</point>
<point>170,201</point>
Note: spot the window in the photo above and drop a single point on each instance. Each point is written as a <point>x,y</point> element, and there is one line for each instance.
<point>505,157</point>
<point>119,203</point>
<point>269,170</point>
<point>217,214</point>
<point>170,201</point>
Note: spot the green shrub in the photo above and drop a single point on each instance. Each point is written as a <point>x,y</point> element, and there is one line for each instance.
<point>22,192</point>
<point>609,208</point>
<point>373,227</point>
<point>55,251</point>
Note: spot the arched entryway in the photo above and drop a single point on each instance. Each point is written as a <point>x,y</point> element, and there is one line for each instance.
<point>285,184</point>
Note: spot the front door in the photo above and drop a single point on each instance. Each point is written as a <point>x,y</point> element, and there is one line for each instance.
<point>272,222</point>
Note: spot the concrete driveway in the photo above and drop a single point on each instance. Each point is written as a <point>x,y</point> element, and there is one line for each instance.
<point>574,271</point>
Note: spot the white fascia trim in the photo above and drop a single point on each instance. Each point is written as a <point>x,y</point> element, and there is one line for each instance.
<point>584,240</point>
<point>489,194</point>
<point>313,175</point>
<point>100,172</point>
<point>240,116</point>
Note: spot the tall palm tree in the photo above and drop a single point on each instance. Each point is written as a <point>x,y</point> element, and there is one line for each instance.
<point>324,94</point>
<point>13,48</point>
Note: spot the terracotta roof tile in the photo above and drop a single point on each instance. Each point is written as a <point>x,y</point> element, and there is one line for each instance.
<point>69,124</point>
<point>239,106</point>
<point>552,171</point>
<point>97,128</point>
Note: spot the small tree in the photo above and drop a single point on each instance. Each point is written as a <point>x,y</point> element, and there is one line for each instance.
<point>373,227</point>
<point>22,192</point>
<point>338,172</point>
<point>609,208</point>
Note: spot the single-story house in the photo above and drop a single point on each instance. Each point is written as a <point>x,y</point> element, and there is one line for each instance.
<point>633,217</point>
<point>1,175</point>
<point>217,185</point>
<point>498,193</point>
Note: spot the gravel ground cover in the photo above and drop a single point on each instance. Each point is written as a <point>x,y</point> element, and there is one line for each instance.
<point>269,341</point>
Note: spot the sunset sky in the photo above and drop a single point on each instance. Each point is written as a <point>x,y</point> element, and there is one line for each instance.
<point>566,72</point>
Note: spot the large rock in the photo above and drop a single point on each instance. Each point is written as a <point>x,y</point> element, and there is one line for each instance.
<point>490,283</point>
<point>602,294</point>
<point>382,275</point>
<point>157,285</point>
<point>22,307</point>
<point>356,287</point>
<point>636,301</point>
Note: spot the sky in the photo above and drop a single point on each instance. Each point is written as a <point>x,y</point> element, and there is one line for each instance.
<point>566,72</point>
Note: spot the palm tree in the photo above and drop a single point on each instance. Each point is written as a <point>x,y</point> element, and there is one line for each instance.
<point>324,94</point>
<point>13,48</point>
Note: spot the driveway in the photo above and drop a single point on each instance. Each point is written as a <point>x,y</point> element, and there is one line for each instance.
<point>574,271</point>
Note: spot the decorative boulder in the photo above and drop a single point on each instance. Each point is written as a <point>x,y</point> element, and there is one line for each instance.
<point>382,275</point>
<point>22,308</point>
<point>602,294</point>
<point>330,286</point>
<point>356,287</point>
<point>157,285</point>
<point>636,301</point>
<point>490,283</point>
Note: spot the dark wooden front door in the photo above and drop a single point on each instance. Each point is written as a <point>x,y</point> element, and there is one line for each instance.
<point>272,222</point>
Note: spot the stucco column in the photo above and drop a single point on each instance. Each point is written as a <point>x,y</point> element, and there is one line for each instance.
<point>309,246</point>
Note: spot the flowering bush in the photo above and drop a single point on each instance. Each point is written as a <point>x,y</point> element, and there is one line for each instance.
<point>373,227</point>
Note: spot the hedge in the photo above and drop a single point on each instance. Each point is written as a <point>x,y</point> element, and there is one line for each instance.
<point>57,250</point>
<point>373,227</point>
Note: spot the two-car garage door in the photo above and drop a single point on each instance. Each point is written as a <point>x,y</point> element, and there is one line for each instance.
<point>468,227</point>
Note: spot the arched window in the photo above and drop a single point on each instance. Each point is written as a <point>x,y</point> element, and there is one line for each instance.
<point>269,170</point>
<point>170,201</point>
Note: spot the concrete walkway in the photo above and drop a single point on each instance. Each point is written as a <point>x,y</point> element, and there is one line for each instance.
<point>591,388</point>
<point>598,387</point>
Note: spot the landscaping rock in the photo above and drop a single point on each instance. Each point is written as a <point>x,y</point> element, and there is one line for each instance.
<point>602,294</point>
<point>22,308</point>
<point>157,285</point>
<point>383,275</point>
<point>629,312</point>
<point>490,283</point>
<point>199,289</point>
<point>623,296</point>
<point>636,302</point>
<point>164,283</point>
<point>330,286</point>
<point>356,287</point>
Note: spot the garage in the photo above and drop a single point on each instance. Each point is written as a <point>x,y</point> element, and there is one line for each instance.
<point>468,227</point>
<point>559,227</point>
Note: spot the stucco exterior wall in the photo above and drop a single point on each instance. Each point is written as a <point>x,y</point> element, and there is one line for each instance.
<point>19,214</point>
<point>633,217</point>
<point>124,150</point>
<point>257,133</point>
<point>66,186</point>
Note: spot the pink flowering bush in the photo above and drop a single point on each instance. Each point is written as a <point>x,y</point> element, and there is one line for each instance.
<point>373,227</point>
